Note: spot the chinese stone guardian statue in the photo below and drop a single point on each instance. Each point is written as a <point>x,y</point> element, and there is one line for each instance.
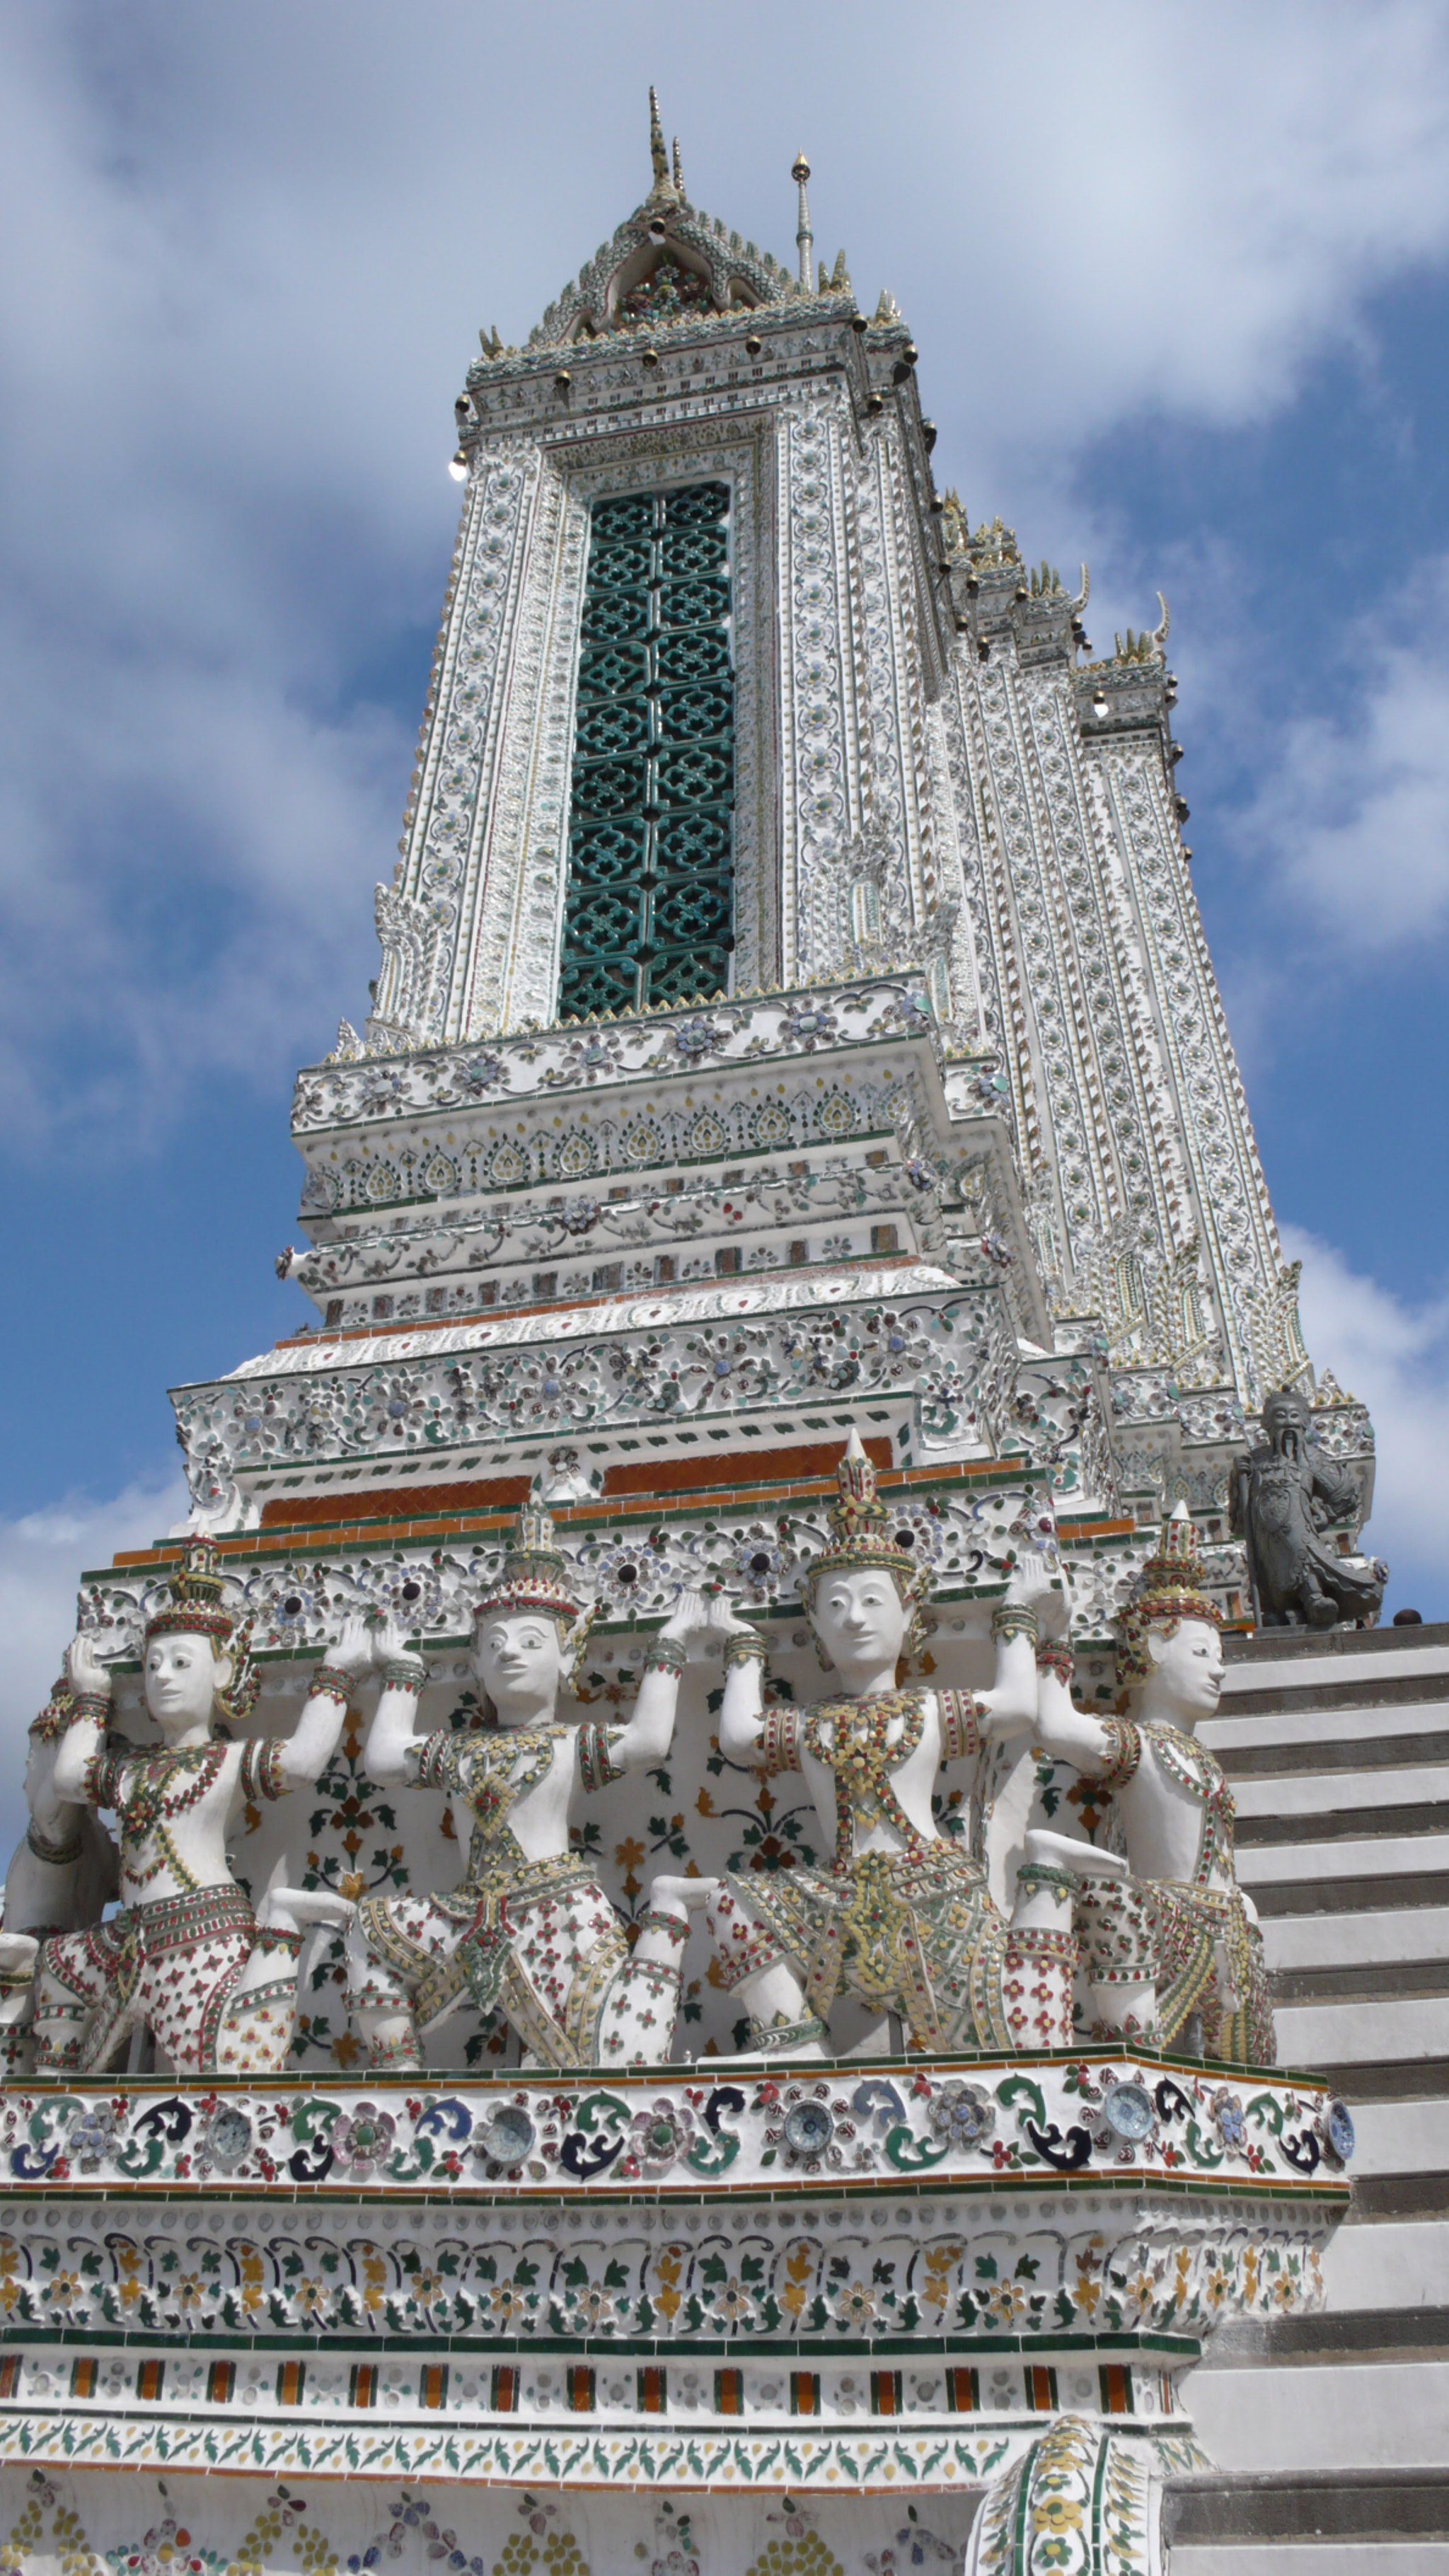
<point>900,1918</point>
<point>1279,1497</point>
<point>186,1958</point>
<point>528,1931</point>
<point>1175,1956</point>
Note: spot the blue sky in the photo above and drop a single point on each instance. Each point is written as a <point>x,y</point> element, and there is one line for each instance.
<point>1180,282</point>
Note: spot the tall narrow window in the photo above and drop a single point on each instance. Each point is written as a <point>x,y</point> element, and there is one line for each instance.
<point>649,899</point>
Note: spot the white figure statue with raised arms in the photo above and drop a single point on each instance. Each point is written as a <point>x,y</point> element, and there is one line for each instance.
<point>61,1877</point>
<point>900,1917</point>
<point>1174,1957</point>
<point>528,1931</point>
<point>187,1958</point>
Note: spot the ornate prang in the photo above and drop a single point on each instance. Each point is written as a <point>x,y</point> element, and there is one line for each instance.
<point>793,1021</point>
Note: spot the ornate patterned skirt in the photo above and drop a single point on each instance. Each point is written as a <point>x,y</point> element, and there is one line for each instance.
<point>1200,1948</point>
<point>913,1932</point>
<point>546,1949</point>
<point>169,1967</point>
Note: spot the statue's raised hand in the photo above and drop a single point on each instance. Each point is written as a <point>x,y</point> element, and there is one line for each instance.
<point>690,1617</point>
<point>89,1678</point>
<point>1035,1584</point>
<point>354,1650</point>
<point>389,1643</point>
<point>725,1620</point>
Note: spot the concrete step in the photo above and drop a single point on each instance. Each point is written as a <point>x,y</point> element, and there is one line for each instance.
<point>1281,1751</point>
<point>1423,2080</point>
<point>1284,1659</point>
<point>1365,1708</point>
<point>1339,1983</point>
<point>1361,2033</point>
<point>1411,1819</point>
<point>1401,2195</point>
<point>1273,2415</point>
<point>1308,2509</point>
<point>1302,1942</point>
<point>1331,1894</point>
<point>1293,1795</point>
<point>1400,2137</point>
<point>1266,1855</point>
<point>1260,2557</point>
<point>1387,2264</point>
<point>1381,1689</point>
<point>1365,2335</point>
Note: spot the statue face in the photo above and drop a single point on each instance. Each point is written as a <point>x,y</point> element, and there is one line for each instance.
<point>182,1676</point>
<point>1187,1669</point>
<point>1285,1420</point>
<point>518,1658</point>
<point>860,1619</point>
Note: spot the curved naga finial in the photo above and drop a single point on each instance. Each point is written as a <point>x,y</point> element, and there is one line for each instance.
<point>1159,633</point>
<point>1084,594</point>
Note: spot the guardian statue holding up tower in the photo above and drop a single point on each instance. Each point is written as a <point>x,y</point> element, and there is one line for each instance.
<point>528,1931</point>
<point>900,1917</point>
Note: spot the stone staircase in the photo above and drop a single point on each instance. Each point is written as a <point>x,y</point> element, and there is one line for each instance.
<point>1332,2432</point>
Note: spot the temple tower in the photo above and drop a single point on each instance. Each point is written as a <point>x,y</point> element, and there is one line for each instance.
<point>794,1029</point>
<point>728,698</point>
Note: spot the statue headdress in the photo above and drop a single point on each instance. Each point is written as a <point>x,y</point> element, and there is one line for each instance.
<point>860,1534</point>
<point>193,1603</point>
<point>1170,1591</point>
<point>536,1575</point>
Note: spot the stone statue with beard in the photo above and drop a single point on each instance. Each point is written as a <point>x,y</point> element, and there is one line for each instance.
<point>1280,1497</point>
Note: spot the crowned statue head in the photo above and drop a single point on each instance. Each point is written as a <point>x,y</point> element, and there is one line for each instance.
<point>529,1628</point>
<point>864,1591</point>
<point>197,1667</point>
<point>1170,1652</point>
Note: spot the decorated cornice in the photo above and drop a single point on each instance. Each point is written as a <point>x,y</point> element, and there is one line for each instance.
<point>1002,2126</point>
<point>363,1086</point>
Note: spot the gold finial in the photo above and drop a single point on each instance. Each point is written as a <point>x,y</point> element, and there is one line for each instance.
<point>656,142</point>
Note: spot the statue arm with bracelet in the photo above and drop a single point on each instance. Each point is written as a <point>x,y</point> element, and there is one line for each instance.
<point>646,1735</point>
<point>1030,1602</point>
<point>393,1751</point>
<point>747,1729</point>
<point>301,1758</point>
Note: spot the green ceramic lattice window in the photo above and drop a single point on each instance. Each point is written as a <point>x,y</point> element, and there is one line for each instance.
<point>648,903</point>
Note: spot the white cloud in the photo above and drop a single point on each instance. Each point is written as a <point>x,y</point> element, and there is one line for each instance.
<point>1395,1357</point>
<point>41,1558</point>
<point>257,247</point>
<point>1354,818</point>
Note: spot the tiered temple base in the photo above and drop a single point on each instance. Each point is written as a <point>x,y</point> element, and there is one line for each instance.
<point>770,2307</point>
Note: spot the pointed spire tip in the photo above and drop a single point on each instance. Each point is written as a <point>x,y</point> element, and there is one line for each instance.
<point>656,141</point>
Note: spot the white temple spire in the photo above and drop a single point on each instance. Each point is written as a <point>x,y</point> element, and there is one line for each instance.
<point>804,238</point>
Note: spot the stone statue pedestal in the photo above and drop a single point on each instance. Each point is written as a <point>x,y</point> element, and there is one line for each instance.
<point>836,2284</point>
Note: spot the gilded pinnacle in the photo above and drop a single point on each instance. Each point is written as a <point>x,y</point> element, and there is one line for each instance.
<point>663,186</point>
